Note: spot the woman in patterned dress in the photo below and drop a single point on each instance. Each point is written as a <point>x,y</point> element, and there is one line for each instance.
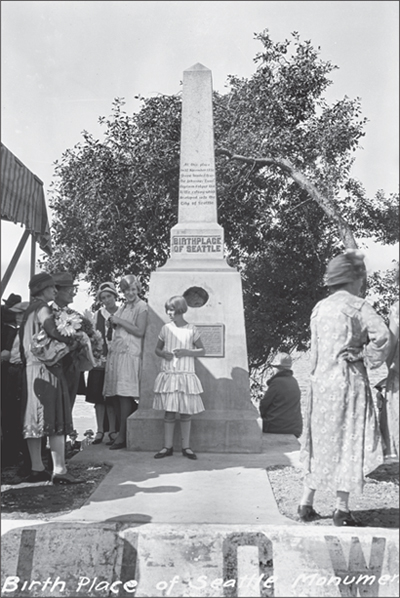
<point>341,441</point>
<point>123,366</point>
<point>46,402</point>
<point>392,384</point>
<point>177,388</point>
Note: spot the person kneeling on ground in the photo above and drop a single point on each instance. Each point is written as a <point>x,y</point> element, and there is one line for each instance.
<point>280,407</point>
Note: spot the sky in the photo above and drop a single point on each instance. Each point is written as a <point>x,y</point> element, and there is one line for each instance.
<point>64,62</point>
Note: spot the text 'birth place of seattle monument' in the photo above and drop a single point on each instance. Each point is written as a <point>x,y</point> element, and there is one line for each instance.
<point>198,270</point>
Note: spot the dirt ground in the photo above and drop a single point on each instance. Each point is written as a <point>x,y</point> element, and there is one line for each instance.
<point>378,506</point>
<point>43,500</point>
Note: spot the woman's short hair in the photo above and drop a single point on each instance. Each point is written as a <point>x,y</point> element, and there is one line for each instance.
<point>177,303</point>
<point>129,279</point>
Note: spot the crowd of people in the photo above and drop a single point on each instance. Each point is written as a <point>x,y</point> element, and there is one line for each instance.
<point>47,340</point>
<point>344,436</point>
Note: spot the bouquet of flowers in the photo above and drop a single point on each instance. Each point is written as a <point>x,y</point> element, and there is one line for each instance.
<point>80,328</point>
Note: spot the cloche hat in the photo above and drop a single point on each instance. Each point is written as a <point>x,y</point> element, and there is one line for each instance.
<point>40,281</point>
<point>106,287</point>
<point>345,268</point>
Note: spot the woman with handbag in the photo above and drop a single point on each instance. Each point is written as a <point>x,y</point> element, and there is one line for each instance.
<point>45,399</point>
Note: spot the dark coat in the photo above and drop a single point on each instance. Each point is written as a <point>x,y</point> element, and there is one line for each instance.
<point>280,407</point>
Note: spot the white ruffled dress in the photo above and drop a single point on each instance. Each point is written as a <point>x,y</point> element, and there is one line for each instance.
<point>177,388</point>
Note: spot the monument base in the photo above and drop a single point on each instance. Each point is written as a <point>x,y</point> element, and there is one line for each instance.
<point>211,432</point>
<point>230,422</point>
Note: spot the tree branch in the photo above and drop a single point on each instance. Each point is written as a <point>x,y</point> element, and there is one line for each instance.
<point>298,177</point>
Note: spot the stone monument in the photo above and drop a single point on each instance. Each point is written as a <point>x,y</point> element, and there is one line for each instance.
<point>198,270</point>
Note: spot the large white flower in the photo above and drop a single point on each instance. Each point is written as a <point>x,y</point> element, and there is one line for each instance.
<point>68,324</point>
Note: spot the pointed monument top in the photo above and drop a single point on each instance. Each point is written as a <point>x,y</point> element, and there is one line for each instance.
<point>197,67</point>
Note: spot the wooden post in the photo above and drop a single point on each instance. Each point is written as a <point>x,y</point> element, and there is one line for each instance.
<point>11,267</point>
<point>33,255</point>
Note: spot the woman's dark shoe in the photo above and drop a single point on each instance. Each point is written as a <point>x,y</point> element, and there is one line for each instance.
<point>38,476</point>
<point>307,513</point>
<point>165,452</point>
<point>344,519</point>
<point>189,454</point>
<point>65,479</point>
<point>117,445</point>
<point>112,436</point>
<point>98,439</point>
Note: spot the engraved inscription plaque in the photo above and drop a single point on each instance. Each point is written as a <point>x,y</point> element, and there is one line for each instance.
<point>213,339</point>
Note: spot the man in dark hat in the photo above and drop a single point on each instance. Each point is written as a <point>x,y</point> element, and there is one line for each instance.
<point>14,446</point>
<point>66,289</point>
<point>8,322</point>
<point>280,407</point>
<point>12,300</point>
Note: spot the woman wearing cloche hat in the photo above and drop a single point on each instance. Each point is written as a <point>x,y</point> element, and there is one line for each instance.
<point>46,408</point>
<point>106,295</point>
<point>341,441</point>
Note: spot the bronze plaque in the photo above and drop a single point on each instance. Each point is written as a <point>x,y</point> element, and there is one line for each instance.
<point>213,339</point>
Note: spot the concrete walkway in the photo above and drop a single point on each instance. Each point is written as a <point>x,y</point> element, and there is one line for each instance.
<point>175,527</point>
<point>215,489</point>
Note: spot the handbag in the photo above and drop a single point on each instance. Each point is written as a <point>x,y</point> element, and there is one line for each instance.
<point>46,349</point>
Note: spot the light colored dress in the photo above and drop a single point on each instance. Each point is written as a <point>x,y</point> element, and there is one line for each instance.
<point>47,409</point>
<point>124,359</point>
<point>392,384</point>
<point>341,441</point>
<point>177,388</point>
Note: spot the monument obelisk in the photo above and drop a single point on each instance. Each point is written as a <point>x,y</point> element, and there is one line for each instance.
<point>197,269</point>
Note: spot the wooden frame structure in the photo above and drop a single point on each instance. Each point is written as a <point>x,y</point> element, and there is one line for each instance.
<point>23,202</point>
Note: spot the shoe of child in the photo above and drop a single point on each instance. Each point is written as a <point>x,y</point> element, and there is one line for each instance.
<point>165,452</point>
<point>187,452</point>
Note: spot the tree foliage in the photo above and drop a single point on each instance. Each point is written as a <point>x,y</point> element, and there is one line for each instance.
<point>286,199</point>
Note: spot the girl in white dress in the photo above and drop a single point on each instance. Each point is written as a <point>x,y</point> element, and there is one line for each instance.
<point>177,388</point>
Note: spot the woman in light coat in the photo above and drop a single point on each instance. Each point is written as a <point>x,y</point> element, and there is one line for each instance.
<point>341,443</point>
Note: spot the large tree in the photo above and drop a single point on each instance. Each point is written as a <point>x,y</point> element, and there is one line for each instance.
<point>286,199</point>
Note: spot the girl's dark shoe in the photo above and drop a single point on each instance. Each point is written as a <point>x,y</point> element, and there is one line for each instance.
<point>112,436</point>
<point>98,439</point>
<point>165,452</point>
<point>38,476</point>
<point>189,454</point>
<point>65,479</point>
<point>307,513</point>
<point>344,519</point>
